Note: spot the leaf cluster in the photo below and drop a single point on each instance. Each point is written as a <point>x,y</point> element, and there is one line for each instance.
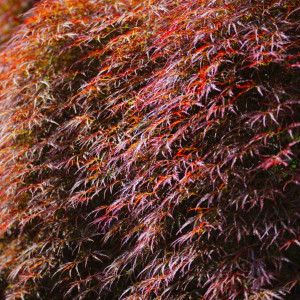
<point>150,150</point>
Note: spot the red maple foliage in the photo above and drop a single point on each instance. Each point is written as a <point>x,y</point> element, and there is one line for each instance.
<point>149,150</point>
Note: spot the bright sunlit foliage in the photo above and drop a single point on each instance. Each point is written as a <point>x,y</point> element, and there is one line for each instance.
<point>149,149</point>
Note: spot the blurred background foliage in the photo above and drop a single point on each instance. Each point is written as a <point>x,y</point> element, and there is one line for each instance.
<point>11,16</point>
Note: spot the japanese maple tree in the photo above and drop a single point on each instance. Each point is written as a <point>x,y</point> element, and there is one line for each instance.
<point>150,150</point>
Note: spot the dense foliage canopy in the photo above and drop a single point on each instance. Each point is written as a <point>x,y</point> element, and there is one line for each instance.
<point>149,149</point>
